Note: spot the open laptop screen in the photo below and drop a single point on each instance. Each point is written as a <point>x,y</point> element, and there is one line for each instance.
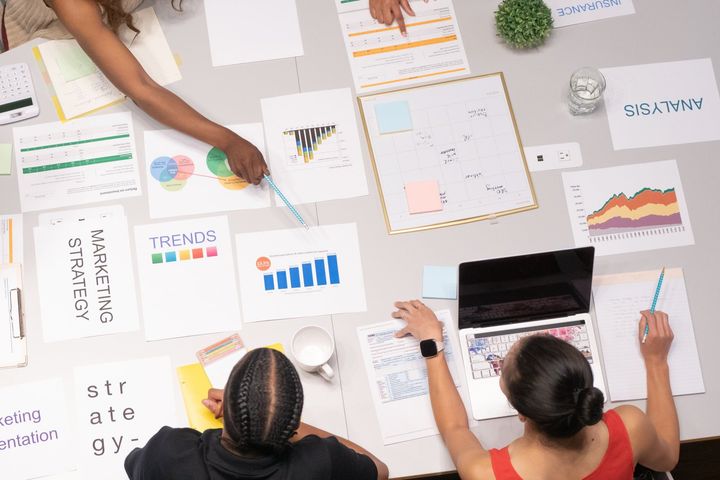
<point>526,287</point>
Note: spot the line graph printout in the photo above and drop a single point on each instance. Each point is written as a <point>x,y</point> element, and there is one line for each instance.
<point>314,146</point>
<point>628,208</point>
<point>380,57</point>
<point>618,299</point>
<point>187,177</point>
<point>460,134</point>
<point>298,273</point>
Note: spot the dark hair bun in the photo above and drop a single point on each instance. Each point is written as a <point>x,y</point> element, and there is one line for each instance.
<point>589,409</point>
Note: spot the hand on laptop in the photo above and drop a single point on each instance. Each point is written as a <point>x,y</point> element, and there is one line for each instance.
<point>421,321</point>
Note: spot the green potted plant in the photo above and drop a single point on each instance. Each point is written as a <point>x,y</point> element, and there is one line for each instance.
<point>523,23</point>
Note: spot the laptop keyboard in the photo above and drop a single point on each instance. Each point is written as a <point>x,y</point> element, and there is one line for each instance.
<point>487,350</point>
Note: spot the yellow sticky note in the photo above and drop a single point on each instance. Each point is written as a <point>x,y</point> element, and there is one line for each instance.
<point>277,346</point>
<point>5,158</point>
<point>194,385</point>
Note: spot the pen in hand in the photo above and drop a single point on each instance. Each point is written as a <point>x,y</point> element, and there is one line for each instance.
<point>654,303</point>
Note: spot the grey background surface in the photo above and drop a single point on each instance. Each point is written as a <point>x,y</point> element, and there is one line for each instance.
<point>661,30</point>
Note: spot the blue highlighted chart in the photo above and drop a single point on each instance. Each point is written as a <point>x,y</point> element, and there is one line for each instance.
<point>318,272</point>
<point>172,172</point>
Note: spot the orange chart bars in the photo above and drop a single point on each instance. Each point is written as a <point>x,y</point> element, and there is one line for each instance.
<point>308,140</point>
<point>646,209</point>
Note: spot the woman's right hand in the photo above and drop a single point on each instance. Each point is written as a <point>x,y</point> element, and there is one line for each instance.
<point>214,402</point>
<point>660,336</point>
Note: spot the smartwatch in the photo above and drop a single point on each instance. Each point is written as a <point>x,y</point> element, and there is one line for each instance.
<point>431,347</point>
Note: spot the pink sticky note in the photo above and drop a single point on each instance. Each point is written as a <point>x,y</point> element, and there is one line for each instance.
<point>423,197</point>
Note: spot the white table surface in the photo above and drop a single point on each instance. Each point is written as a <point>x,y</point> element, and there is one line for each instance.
<point>661,30</point>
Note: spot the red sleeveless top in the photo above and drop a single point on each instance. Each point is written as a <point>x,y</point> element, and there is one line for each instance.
<point>617,463</point>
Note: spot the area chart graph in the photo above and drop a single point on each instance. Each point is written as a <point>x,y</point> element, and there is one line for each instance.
<point>628,208</point>
<point>646,209</point>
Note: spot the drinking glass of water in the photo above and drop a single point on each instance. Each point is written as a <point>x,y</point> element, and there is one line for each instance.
<point>586,88</point>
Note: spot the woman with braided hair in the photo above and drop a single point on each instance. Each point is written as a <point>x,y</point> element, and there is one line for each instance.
<point>262,439</point>
<point>550,383</point>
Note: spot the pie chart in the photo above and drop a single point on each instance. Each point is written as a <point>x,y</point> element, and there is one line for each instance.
<point>172,172</point>
<point>217,164</point>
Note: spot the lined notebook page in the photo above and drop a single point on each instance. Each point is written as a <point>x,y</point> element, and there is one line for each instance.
<point>618,301</point>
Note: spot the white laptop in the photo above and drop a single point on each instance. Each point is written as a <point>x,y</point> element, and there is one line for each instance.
<point>502,300</point>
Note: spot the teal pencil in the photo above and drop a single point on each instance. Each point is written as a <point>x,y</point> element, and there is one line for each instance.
<point>287,202</point>
<point>654,303</point>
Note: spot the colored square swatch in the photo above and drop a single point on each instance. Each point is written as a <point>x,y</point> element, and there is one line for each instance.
<point>211,251</point>
<point>170,256</point>
<point>393,117</point>
<point>423,197</point>
<point>197,253</point>
<point>184,254</point>
<point>157,258</point>
<point>440,282</point>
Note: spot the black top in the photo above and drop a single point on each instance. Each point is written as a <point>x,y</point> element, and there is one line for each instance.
<point>186,454</point>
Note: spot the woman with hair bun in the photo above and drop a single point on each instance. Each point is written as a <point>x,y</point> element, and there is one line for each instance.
<point>566,434</point>
<point>262,439</point>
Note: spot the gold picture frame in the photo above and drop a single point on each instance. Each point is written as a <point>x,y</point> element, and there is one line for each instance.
<point>390,230</point>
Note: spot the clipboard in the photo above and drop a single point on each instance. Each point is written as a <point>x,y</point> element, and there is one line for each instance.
<point>13,341</point>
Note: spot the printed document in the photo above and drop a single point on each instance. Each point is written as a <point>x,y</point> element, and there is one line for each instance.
<point>88,160</point>
<point>619,298</point>
<point>381,58</point>
<point>398,381</point>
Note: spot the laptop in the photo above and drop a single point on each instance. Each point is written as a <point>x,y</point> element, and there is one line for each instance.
<point>505,299</point>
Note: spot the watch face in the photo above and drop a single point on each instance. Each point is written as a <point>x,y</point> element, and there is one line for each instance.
<point>428,348</point>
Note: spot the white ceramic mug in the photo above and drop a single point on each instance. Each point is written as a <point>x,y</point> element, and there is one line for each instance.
<point>312,347</point>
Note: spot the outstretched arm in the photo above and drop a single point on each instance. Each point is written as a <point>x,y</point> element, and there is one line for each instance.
<point>83,19</point>
<point>465,449</point>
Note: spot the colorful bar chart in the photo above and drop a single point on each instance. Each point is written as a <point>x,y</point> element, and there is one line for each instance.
<point>308,140</point>
<point>319,272</point>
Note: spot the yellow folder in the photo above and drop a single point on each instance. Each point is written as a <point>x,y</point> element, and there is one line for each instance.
<point>194,385</point>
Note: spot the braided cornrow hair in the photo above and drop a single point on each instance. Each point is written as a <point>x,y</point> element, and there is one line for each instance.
<point>263,402</point>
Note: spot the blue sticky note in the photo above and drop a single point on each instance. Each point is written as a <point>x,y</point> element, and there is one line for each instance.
<point>393,117</point>
<point>440,282</point>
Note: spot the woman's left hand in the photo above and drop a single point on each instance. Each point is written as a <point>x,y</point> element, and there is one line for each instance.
<point>421,321</point>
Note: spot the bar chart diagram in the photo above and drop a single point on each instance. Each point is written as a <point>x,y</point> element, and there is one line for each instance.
<point>316,273</point>
<point>305,145</point>
<point>299,273</point>
<point>313,145</point>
